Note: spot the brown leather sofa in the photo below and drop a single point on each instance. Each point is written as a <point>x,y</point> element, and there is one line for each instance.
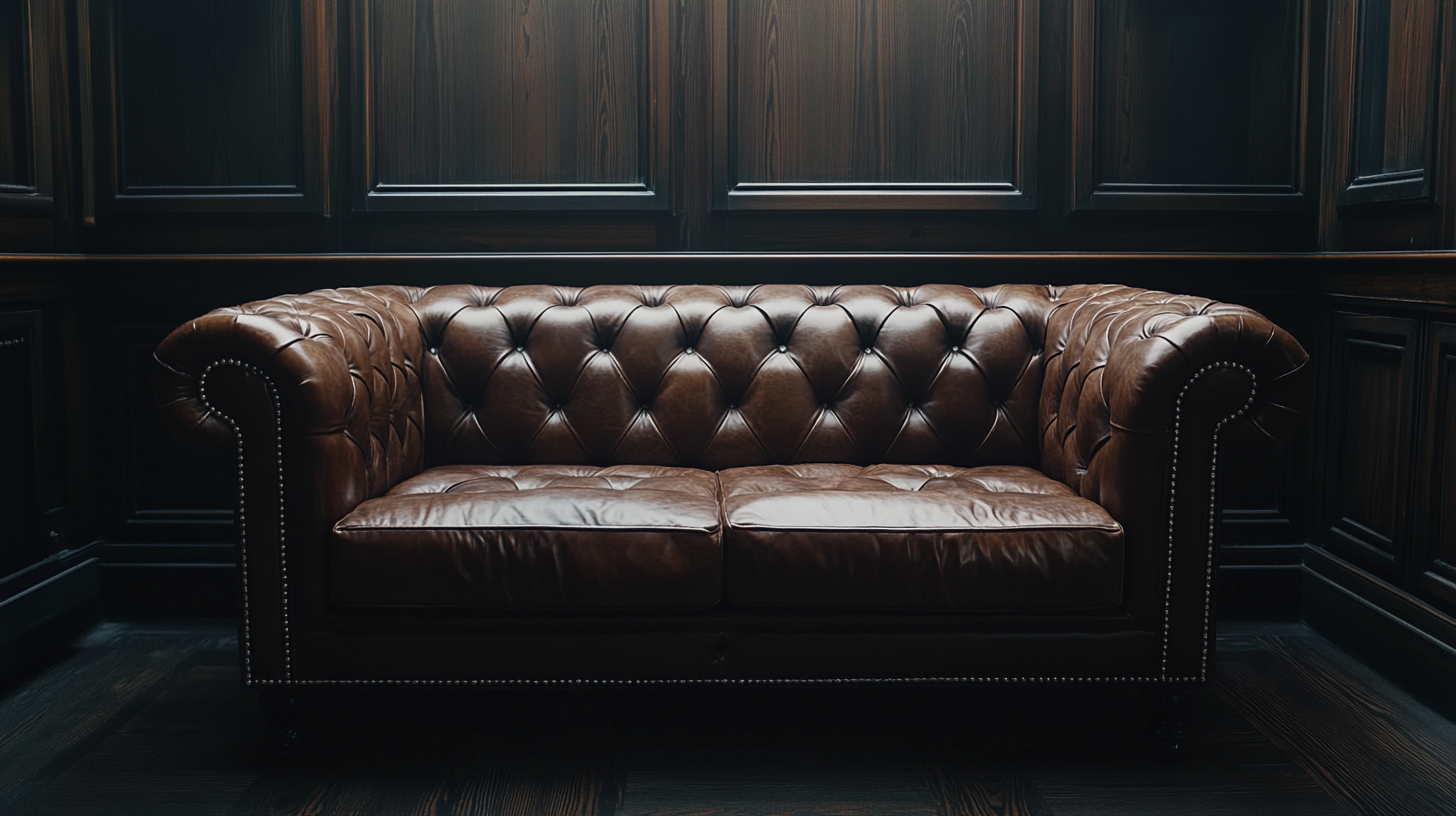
<point>701,484</point>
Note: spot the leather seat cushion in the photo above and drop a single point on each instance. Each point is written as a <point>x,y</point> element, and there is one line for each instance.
<point>915,537</point>
<point>536,536</point>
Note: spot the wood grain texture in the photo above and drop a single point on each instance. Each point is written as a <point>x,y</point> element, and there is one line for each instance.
<point>985,791</point>
<point>188,753</point>
<point>868,104</point>
<point>529,104</point>
<point>438,773</point>
<point>1293,728</point>
<point>1345,726</point>
<point>209,95</point>
<point>1395,76</point>
<point>1434,533</point>
<point>1373,381</point>
<point>1189,104</point>
<point>59,714</point>
<point>15,113</point>
<point>774,781</point>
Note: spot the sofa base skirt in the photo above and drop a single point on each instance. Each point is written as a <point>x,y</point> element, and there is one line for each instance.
<point>456,658</point>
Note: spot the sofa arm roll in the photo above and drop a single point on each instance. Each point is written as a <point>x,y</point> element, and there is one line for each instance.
<point>338,362</point>
<point>320,396</point>
<point>1143,392</point>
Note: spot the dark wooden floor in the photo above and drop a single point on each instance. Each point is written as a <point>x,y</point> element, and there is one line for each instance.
<point>149,719</point>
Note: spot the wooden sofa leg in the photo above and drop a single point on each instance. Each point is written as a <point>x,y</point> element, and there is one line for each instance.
<point>284,711</point>
<point>1169,705</point>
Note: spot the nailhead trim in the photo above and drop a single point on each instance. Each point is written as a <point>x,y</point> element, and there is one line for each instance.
<point>243,520</point>
<point>704,681</point>
<point>1212,509</point>
<point>1163,677</point>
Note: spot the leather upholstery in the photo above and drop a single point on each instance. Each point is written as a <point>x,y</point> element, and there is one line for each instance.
<point>336,397</point>
<point>535,536</point>
<point>915,537</point>
<point>716,377</point>
<point>1117,361</point>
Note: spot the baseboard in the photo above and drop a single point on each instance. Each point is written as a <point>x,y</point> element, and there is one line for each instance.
<point>1402,637</point>
<point>169,590</point>
<point>1260,582</point>
<point>47,614</point>
<point>169,580</point>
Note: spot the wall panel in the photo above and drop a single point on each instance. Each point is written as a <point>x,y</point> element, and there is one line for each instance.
<point>875,104</point>
<point>1394,116</point>
<point>544,104</point>
<point>1188,104</point>
<point>209,105</point>
<point>1373,372</point>
<point>27,85</point>
<point>1435,509</point>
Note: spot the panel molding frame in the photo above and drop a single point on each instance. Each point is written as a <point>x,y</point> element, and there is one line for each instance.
<point>1351,540</point>
<point>42,38</point>
<point>103,192</point>
<point>655,145</point>
<point>730,194</point>
<point>1087,193</point>
<point>1432,576</point>
<point>1406,186</point>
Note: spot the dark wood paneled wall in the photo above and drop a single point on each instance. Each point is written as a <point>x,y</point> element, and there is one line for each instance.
<point>743,125</point>
<point>874,105</point>
<point>1190,104</point>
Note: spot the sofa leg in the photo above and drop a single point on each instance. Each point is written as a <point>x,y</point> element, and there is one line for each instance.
<point>284,711</point>
<point>1168,704</point>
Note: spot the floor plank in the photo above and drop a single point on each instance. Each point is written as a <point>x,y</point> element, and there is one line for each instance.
<point>970,790</point>
<point>188,753</point>
<point>1371,746</point>
<point>430,772</point>
<point>45,725</point>
<point>766,781</point>
<point>150,719</point>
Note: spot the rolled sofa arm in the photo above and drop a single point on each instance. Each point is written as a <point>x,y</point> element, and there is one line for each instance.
<point>1142,392</point>
<point>320,396</point>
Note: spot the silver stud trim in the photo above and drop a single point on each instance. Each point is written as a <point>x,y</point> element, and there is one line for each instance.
<point>1163,677</point>
<point>247,639</point>
<point>1212,510</point>
<point>704,681</point>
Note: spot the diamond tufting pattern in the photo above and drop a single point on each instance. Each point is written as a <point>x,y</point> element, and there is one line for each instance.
<point>716,377</point>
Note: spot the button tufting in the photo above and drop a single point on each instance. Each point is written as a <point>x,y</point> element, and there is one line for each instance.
<point>955,349</point>
<point>690,350</point>
<point>783,349</point>
<point>520,349</point>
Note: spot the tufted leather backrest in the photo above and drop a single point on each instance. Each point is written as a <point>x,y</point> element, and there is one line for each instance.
<point>717,377</point>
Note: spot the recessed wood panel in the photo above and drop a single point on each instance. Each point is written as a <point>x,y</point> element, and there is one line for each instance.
<point>209,95</point>
<point>20,542</point>
<point>209,105</point>
<point>1395,78</point>
<point>1254,497</point>
<point>1372,394</point>
<point>544,104</point>
<point>28,60</point>
<point>15,119</point>
<point>875,104</point>
<point>1188,104</point>
<point>1436,485</point>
